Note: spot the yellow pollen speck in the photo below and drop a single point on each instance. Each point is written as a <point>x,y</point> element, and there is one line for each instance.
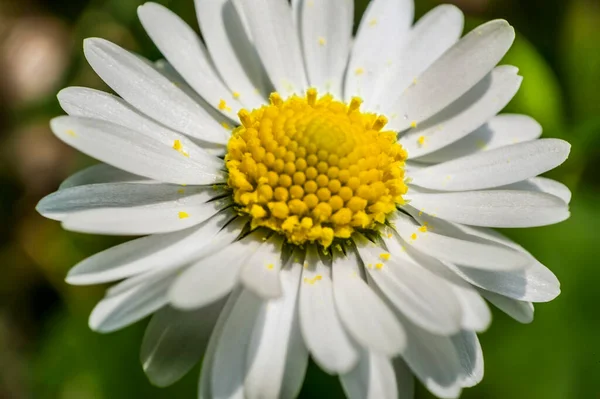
<point>183,215</point>
<point>423,229</point>
<point>223,106</point>
<point>313,280</point>
<point>385,256</point>
<point>421,140</point>
<point>270,266</point>
<point>315,169</point>
<point>226,125</point>
<point>379,266</point>
<point>359,71</point>
<point>322,41</point>
<point>71,133</point>
<point>236,95</point>
<point>181,191</point>
<point>413,124</point>
<point>177,146</point>
<point>373,22</point>
<point>413,236</point>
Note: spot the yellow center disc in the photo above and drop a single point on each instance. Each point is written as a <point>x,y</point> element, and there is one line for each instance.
<point>315,168</point>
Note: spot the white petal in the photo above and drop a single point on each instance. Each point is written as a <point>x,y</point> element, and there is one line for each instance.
<point>431,36</point>
<point>379,39</point>
<point>436,238</point>
<point>232,350</point>
<point>326,33</point>
<point>466,114</point>
<point>420,295</point>
<point>60,204</point>
<point>455,72</point>
<point>494,168</point>
<point>276,39</point>
<point>175,341</point>
<point>214,276</point>
<point>232,51</point>
<point>150,92</point>
<point>434,360</point>
<point>519,310</point>
<point>475,313</point>
<point>366,317</point>
<point>147,253</point>
<point>118,311</point>
<point>134,152</point>
<point>495,208</point>
<point>372,378</point>
<point>158,218</point>
<point>471,357</point>
<point>228,235</point>
<point>536,283</point>
<point>184,50</point>
<point>277,355</point>
<point>205,381</point>
<point>499,131</point>
<point>260,272</point>
<point>95,104</point>
<point>102,173</point>
<point>543,185</point>
<point>322,329</point>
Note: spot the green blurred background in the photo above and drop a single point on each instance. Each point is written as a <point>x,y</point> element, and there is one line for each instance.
<point>46,349</point>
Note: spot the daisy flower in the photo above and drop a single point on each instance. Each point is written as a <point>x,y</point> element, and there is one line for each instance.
<point>303,192</point>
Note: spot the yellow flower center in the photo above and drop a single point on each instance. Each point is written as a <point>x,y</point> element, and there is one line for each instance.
<point>314,169</point>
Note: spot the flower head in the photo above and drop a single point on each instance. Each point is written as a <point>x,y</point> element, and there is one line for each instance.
<point>303,192</point>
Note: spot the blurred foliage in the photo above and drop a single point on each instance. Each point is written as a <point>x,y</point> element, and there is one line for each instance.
<point>46,348</point>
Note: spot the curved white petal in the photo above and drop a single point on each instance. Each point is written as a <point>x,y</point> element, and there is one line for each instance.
<point>117,311</point>
<point>420,295</point>
<point>102,173</point>
<point>471,357</point>
<point>62,203</point>
<point>366,317</point>
<point>174,342</point>
<point>372,378</point>
<point>148,253</point>
<point>536,283</point>
<point>519,310</point>
<point>150,92</point>
<point>379,40</point>
<point>135,152</point>
<point>228,235</point>
<point>501,130</point>
<point>326,34</point>
<point>431,36</point>
<point>494,208</point>
<point>475,313</point>
<point>276,39</point>
<point>232,50</point>
<point>543,185</point>
<point>260,272</point>
<point>322,329</point>
<point>232,349</point>
<point>445,81</point>
<point>158,218</point>
<point>434,238</point>
<point>434,361</point>
<point>213,276</point>
<point>95,104</point>
<point>466,114</point>
<point>277,355</point>
<point>184,50</point>
<point>494,168</point>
